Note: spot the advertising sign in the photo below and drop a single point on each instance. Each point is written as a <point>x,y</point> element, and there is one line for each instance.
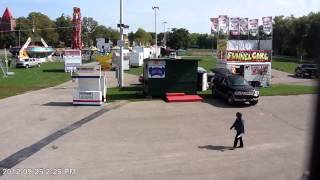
<point>221,48</point>
<point>253,27</point>
<point>214,25</point>
<point>259,69</point>
<point>267,25</point>
<point>249,56</point>
<point>157,69</point>
<point>244,29</point>
<point>223,24</point>
<point>234,26</point>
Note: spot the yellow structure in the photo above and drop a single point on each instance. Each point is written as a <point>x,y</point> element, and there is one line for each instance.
<point>105,61</point>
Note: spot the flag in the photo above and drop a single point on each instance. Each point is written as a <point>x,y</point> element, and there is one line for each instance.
<point>214,25</point>
<point>234,26</point>
<point>223,24</point>
<point>267,25</point>
<point>253,27</point>
<point>244,26</point>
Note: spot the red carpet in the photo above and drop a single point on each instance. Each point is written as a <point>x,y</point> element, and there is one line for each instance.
<point>181,97</point>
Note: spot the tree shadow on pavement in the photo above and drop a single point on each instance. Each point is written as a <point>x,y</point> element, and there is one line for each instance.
<point>54,70</point>
<point>57,104</point>
<point>221,103</point>
<point>216,148</point>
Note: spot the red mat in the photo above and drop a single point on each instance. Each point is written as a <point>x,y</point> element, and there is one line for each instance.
<point>175,94</point>
<point>184,98</point>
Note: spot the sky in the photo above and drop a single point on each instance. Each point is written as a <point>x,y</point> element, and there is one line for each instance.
<point>190,14</point>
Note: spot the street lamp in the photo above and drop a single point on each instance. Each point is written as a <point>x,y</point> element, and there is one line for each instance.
<point>164,34</point>
<point>155,8</point>
<point>121,44</point>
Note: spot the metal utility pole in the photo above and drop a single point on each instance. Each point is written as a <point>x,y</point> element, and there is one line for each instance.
<point>120,77</point>
<point>155,8</point>
<point>164,34</point>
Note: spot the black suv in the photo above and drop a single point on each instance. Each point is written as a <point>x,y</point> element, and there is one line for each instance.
<point>306,70</point>
<point>234,88</point>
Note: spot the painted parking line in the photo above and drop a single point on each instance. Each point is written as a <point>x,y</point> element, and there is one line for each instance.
<point>26,152</point>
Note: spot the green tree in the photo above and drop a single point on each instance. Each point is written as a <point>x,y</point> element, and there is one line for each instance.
<point>107,33</point>
<point>142,37</point>
<point>64,25</point>
<point>8,39</point>
<point>131,38</point>
<point>88,27</point>
<point>179,38</point>
<point>43,27</point>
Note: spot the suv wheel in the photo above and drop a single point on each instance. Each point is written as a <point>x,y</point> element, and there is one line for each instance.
<point>253,102</point>
<point>27,66</point>
<point>214,92</point>
<point>231,99</point>
<point>39,65</point>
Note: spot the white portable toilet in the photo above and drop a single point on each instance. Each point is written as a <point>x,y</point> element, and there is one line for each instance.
<point>116,61</point>
<point>146,51</point>
<point>92,85</point>
<point>136,59</point>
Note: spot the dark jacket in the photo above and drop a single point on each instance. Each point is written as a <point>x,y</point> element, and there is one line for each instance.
<point>238,125</point>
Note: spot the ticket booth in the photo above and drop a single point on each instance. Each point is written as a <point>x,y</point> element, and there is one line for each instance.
<point>91,86</point>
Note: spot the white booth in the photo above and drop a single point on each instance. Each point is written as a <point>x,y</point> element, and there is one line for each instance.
<point>72,59</point>
<point>116,60</point>
<point>92,85</point>
<point>136,59</point>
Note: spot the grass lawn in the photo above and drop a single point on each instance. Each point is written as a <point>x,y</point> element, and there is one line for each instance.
<point>207,62</point>
<point>48,75</point>
<point>135,70</point>
<point>135,93</point>
<point>125,93</point>
<point>276,90</point>
<point>285,89</point>
<point>286,64</point>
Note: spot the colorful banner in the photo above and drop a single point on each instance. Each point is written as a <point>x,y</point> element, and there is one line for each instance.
<point>259,69</point>
<point>244,29</point>
<point>253,27</point>
<point>223,24</point>
<point>214,25</point>
<point>234,26</point>
<point>221,48</point>
<point>249,56</point>
<point>267,25</point>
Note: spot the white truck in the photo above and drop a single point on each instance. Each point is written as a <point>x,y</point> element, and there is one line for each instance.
<point>72,59</point>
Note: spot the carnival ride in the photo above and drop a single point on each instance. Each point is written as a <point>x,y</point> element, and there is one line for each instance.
<point>33,51</point>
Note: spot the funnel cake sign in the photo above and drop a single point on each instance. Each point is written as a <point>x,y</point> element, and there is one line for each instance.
<point>249,56</point>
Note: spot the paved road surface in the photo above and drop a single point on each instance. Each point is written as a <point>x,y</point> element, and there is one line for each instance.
<point>280,77</point>
<point>152,139</point>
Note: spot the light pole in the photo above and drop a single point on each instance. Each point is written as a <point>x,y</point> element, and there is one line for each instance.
<point>121,43</point>
<point>155,8</point>
<point>121,50</point>
<point>164,34</point>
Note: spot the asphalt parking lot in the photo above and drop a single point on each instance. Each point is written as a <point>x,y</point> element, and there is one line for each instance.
<point>279,77</point>
<point>152,139</point>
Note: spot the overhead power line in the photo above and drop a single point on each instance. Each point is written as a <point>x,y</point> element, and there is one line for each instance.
<point>42,29</point>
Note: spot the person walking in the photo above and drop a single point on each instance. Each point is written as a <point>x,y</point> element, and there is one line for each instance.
<point>238,125</point>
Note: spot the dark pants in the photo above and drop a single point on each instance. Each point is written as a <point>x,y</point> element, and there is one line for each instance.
<point>236,139</point>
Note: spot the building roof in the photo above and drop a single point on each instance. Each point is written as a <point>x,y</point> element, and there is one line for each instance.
<point>7,15</point>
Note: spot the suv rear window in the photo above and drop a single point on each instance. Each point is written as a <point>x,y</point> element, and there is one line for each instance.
<point>308,66</point>
<point>237,81</point>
